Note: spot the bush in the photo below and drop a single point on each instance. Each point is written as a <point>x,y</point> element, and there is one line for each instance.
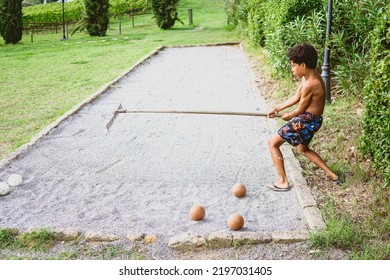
<point>350,72</point>
<point>291,9</point>
<point>352,22</point>
<point>279,25</point>
<point>74,11</point>
<point>52,13</point>
<point>278,20</point>
<point>242,14</point>
<point>11,24</point>
<point>96,17</point>
<point>376,129</point>
<point>118,8</point>
<point>250,16</point>
<point>230,7</point>
<point>256,18</point>
<point>165,12</point>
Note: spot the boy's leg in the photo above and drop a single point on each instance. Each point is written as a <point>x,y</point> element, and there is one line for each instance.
<point>274,144</point>
<point>317,160</point>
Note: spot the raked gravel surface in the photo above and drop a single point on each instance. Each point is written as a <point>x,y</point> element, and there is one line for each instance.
<point>144,174</point>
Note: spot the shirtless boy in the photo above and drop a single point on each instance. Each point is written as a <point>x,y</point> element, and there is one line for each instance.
<point>305,120</point>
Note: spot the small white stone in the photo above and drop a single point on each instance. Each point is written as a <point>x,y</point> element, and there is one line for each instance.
<point>4,188</point>
<point>15,180</point>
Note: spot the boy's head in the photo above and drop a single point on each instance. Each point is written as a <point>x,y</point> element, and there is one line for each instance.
<point>304,53</point>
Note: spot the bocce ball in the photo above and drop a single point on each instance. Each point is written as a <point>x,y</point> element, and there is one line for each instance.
<point>4,188</point>
<point>197,213</point>
<point>235,222</point>
<point>14,180</point>
<point>239,190</point>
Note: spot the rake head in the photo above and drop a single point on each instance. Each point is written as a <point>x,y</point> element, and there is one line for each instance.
<point>117,111</point>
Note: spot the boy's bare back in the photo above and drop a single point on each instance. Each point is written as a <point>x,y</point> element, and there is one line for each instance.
<point>313,89</point>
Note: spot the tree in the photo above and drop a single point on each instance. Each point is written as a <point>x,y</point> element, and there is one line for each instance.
<point>97,17</point>
<point>165,12</point>
<point>11,24</point>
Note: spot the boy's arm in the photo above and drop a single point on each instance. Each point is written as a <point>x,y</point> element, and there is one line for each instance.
<point>290,102</point>
<point>304,101</point>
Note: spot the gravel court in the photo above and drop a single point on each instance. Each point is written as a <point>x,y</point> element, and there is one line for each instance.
<point>144,174</point>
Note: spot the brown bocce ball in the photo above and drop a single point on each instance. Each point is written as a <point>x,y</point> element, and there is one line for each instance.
<point>197,213</point>
<point>239,190</point>
<point>235,222</point>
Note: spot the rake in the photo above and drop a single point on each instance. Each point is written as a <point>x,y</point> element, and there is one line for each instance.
<point>121,110</point>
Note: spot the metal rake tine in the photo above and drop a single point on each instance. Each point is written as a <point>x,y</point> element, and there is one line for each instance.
<point>109,124</point>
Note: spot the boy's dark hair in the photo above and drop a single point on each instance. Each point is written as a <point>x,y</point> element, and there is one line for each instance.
<point>304,53</point>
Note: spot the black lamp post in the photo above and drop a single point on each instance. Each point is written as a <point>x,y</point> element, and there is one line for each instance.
<point>325,67</point>
<point>63,20</point>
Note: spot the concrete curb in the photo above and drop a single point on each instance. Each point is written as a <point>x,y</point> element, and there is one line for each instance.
<point>207,45</point>
<point>303,192</point>
<point>190,241</point>
<point>186,241</point>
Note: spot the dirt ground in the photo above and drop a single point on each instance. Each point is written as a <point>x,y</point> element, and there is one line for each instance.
<point>159,250</point>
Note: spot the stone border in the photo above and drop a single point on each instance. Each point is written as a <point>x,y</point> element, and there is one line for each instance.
<point>206,45</point>
<point>305,198</point>
<point>187,241</point>
<point>192,241</point>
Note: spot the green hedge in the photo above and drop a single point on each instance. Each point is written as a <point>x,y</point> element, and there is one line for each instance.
<point>255,22</point>
<point>280,15</point>
<point>376,125</point>
<point>352,25</point>
<point>118,8</point>
<point>74,11</point>
<point>278,25</point>
<point>52,12</point>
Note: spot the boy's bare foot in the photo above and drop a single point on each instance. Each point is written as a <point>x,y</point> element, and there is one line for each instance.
<point>279,189</point>
<point>334,178</point>
<point>281,183</point>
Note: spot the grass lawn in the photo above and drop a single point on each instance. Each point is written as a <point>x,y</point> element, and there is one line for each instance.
<point>40,81</point>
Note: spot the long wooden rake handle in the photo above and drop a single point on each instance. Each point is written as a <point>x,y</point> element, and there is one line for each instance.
<point>254,114</point>
<point>125,111</point>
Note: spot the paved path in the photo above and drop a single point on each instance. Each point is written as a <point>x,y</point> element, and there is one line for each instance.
<point>144,174</point>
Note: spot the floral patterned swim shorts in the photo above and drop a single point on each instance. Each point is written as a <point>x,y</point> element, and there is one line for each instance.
<point>301,129</point>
